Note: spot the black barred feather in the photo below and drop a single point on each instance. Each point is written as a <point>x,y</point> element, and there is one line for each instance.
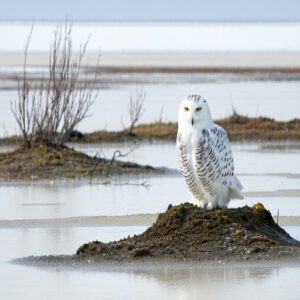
<point>187,168</point>
<point>214,158</point>
<point>213,161</point>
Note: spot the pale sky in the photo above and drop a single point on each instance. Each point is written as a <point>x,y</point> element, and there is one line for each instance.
<point>158,10</point>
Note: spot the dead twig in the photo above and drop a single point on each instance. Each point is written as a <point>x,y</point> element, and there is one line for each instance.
<point>23,109</point>
<point>97,157</point>
<point>128,183</point>
<point>118,154</point>
<point>136,108</point>
<point>160,119</point>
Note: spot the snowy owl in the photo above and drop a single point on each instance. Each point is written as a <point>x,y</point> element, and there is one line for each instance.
<point>205,157</point>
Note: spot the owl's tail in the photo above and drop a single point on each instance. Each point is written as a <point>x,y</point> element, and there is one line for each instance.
<point>235,190</point>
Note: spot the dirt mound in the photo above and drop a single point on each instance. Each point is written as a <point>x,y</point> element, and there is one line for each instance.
<point>44,162</point>
<point>189,232</point>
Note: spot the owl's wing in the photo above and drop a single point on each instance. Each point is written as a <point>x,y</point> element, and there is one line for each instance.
<point>213,157</point>
<point>186,167</point>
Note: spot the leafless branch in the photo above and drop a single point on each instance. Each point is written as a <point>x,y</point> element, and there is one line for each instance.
<point>136,108</point>
<point>143,184</point>
<point>23,108</point>
<point>97,157</point>
<point>118,154</point>
<point>160,119</point>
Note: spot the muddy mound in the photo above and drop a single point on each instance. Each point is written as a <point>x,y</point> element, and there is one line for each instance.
<point>44,162</point>
<point>189,232</point>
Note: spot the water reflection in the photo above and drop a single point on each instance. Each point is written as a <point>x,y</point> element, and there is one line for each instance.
<point>227,282</point>
<point>220,283</point>
<point>167,281</point>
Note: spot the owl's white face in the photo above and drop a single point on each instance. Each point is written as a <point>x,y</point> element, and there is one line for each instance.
<point>194,111</point>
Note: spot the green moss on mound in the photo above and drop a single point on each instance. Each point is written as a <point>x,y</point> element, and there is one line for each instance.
<point>188,232</point>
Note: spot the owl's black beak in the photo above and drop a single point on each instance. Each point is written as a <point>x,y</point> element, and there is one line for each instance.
<point>192,122</point>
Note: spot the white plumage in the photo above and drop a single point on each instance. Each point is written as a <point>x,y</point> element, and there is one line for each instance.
<point>205,157</point>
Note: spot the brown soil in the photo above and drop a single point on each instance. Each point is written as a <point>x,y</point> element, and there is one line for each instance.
<point>42,162</point>
<point>186,232</point>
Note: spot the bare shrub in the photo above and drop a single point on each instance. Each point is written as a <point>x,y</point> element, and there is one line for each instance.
<point>23,108</point>
<point>48,111</point>
<point>136,108</point>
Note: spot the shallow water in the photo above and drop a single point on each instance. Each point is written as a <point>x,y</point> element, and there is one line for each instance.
<point>164,281</point>
<point>270,176</point>
<point>191,283</point>
<point>250,158</point>
<point>58,201</point>
<point>275,185</point>
<point>294,231</point>
<point>277,100</point>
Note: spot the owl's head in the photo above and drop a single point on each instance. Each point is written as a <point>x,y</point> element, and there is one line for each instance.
<point>194,111</point>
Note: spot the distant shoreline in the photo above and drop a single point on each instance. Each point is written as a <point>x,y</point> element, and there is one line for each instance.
<point>238,127</point>
<point>117,68</point>
<point>181,21</point>
<point>176,61</point>
<point>197,69</point>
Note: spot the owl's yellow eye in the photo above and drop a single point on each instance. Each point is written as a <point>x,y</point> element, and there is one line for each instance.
<point>186,108</point>
<point>198,108</point>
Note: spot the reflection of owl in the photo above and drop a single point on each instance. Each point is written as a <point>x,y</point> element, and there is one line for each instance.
<point>205,156</point>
